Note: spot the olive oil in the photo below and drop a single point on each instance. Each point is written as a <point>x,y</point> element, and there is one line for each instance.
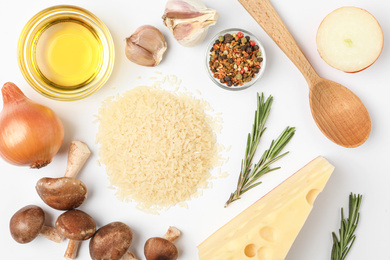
<point>68,54</point>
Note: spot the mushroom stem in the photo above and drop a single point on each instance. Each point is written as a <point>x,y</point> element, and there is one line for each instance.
<point>72,249</point>
<point>77,156</point>
<point>129,256</point>
<point>52,234</point>
<point>172,234</point>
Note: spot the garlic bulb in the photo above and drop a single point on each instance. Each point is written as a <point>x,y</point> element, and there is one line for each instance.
<point>146,46</point>
<point>189,20</point>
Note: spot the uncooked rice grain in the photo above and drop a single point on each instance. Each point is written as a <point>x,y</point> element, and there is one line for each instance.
<point>158,147</point>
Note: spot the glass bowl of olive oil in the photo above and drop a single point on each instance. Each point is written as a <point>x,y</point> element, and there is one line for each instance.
<point>66,53</point>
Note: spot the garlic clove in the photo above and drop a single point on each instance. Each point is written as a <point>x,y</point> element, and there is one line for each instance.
<point>146,46</point>
<point>184,9</point>
<point>192,33</point>
<point>188,20</point>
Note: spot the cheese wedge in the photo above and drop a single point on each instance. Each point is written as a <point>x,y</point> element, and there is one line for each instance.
<point>267,229</point>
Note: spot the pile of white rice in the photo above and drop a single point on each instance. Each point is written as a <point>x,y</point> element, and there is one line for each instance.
<point>158,147</point>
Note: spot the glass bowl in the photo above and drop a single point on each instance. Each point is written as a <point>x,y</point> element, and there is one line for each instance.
<point>51,67</point>
<point>238,69</point>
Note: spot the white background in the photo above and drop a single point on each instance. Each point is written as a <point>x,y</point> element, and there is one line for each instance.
<point>360,170</point>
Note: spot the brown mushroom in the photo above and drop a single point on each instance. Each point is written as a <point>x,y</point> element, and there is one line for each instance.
<point>112,242</point>
<point>77,226</point>
<point>67,192</point>
<point>62,193</point>
<point>29,222</point>
<point>157,248</point>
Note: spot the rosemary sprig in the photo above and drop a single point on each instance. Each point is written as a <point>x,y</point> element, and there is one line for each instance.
<point>347,229</point>
<point>248,177</point>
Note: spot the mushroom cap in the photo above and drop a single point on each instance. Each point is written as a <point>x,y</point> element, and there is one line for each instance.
<point>76,225</point>
<point>26,224</point>
<point>62,193</point>
<point>110,242</point>
<point>157,248</point>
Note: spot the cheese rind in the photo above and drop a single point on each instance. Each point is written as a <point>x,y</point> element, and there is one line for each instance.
<point>267,229</point>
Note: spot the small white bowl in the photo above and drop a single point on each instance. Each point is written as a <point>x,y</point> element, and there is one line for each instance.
<point>246,84</point>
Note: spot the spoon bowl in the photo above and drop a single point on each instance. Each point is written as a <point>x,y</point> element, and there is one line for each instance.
<point>337,111</point>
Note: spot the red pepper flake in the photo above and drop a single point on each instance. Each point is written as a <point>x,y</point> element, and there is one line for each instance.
<point>242,71</point>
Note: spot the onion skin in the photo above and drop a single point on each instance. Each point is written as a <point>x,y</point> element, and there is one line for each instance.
<point>30,133</point>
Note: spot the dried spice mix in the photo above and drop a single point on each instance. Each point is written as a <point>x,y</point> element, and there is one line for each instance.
<point>235,59</point>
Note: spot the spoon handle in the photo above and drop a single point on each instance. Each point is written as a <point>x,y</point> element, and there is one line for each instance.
<point>267,17</point>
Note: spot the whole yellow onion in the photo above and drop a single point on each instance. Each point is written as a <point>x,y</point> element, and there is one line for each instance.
<point>30,133</point>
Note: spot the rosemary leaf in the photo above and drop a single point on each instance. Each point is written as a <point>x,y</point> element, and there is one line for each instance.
<point>248,177</point>
<point>342,246</point>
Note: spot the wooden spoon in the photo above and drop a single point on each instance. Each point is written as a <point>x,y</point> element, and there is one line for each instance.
<point>338,112</point>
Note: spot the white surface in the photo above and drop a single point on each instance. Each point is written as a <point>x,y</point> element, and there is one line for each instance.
<point>359,170</point>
